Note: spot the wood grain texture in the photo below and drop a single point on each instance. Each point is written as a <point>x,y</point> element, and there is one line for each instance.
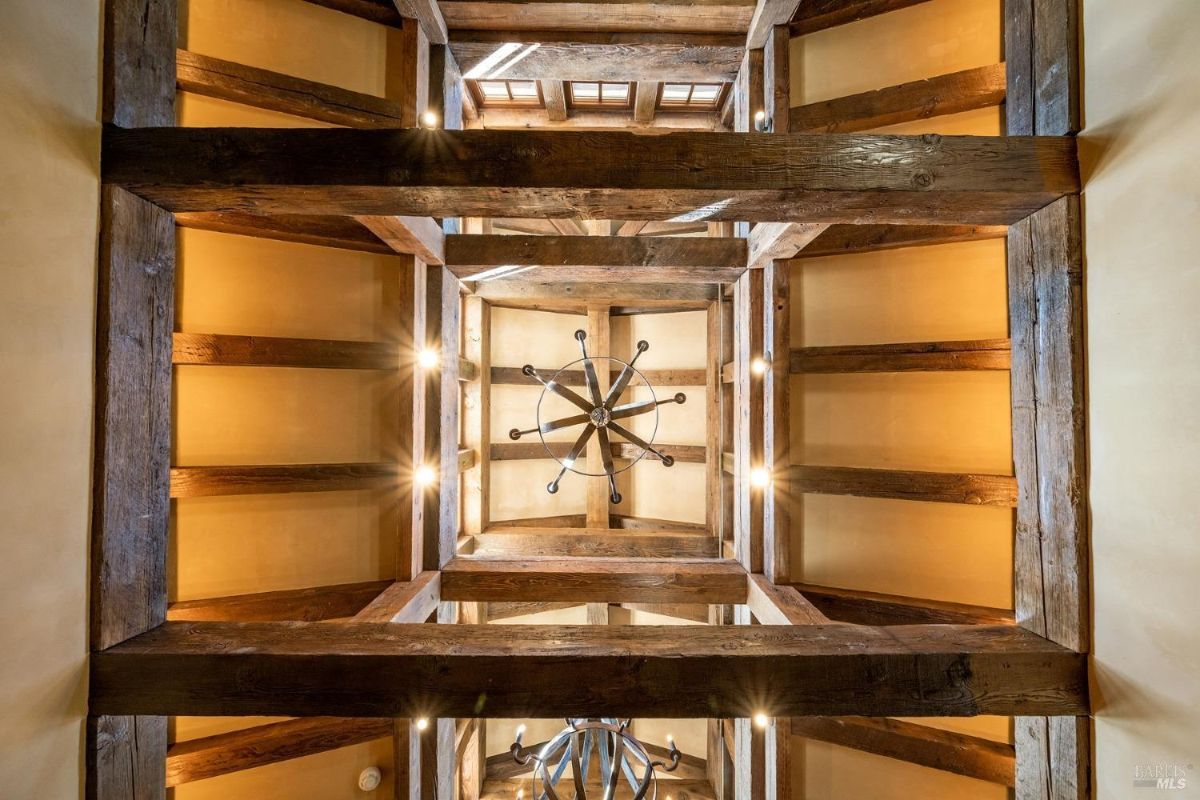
<point>341,232</point>
<point>666,259</point>
<point>975,354</point>
<point>959,753</point>
<point>261,88</point>
<point>576,296</point>
<point>776,450</point>
<point>777,79</point>
<point>1041,42</point>
<point>594,580</point>
<point>748,411</point>
<point>646,101</point>
<point>713,428</point>
<point>272,743</point>
<point>554,95</point>
<point>304,605</point>
<point>571,377</point>
<point>126,757</point>
<point>418,236</point>
<point>780,605</point>
<point>281,478</point>
<point>817,15</point>
<point>599,332</point>
<point>657,16</point>
<point>773,241</point>
<point>405,601</point>
<point>446,87</point>
<point>931,487</point>
<point>139,62</point>
<point>767,15</point>
<point>966,90</point>
<point>640,59</point>
<point>498,611</point>
<point>410,416</point>
<point>568,542</point>
<point>225,350</point>
<point>428,14</point>
<point>873,608</point>
<point>627,522</point>
<point>477,422</point>
<point>844,178</point>
<point>698,671</point>
<point>443,407</point>
<point>845,239</point>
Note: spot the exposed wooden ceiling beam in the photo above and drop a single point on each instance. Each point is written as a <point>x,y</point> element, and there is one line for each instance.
<point>581,120</point>
<point>340,232</point>
<point>228,350</point>
<point>653,16</point>
<point>570,377</point>
<point>429,14</point>
<point>552,296</point>
<point>817,15</point>
<point>642,259</point>
<point>555,96</point>
<point>568,542</point>
<point>930,487</point>
<point>781,605</point>
<point>975,354</point>
<point>312,669</point>
<point>948,751</point>
<point>625,57</point>
<point>782,177</point>
<point>594,580</point>
<point>418,236</point>
<point>771,241</point>
<point>873,608</point>
<point>307,605</point>
<point>645,101</point>
<point>632,228</point>
<point>768,14</point>
<point>405,601</point>
<point>381,11</point>
<point>966,90</point>
<point>273,743</point>
<point>847,239</point>
<point>498,611</point>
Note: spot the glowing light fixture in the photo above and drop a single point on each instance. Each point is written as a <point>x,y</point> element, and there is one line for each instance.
<point>422,724</point>
<point>430,119</point>
<point>758,365</point>
<point>428,359</point>
<point>761,720</point>
<point>760,477</point>
<point>424,476</point>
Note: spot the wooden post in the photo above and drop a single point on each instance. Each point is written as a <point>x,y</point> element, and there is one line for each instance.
<point>712,421</point>
<point>777,84</point>
<point>441,390</point>
<point>598,344</point>
<point>477,426</point>
<point>1049,454</point>
<point>408,60</point>
<point>1041,54</point>
<point>126,755</point>
<point>748,419</point>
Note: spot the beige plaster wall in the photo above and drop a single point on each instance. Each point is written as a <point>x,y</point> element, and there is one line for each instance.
<point>1142,104</point>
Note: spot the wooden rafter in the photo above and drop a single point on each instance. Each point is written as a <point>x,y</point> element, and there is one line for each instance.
<point>306,605</point>
<point>974,354</point>
<point>340,232</point>
<point>405,601</point>
<point>817,15</point>
<point>933,487</point>
<point>873,608</point>
<point>225,350</point>
<point>647,16</point>
<point>282,478</point>
<point>404,670</point>
<point>568,542</point>
<point>832,178</point>
<point>846,239</point>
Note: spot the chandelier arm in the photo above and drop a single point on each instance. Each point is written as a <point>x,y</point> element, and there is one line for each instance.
<point>593,382</point>
<point>642,443</point>
<point>586,756</point>
<point>618,757</point>
<point>614,391</point>
<point>576,771</point>
<point>565,422</point>
<point>560,390</point>
<point>605,449</point>
<point>644,406</point>
<point>569,461</point>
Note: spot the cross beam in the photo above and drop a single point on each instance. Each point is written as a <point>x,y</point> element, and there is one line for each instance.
<point>399,670</point>
<point>852,178</point>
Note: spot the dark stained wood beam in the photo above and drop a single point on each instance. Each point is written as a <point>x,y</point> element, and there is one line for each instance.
<point>965,90</point>
<point>381,11</point>
<point>272,743</point>
<point>261,88</point>
<point>304,605</point>
<point>654,16</point>
<point>930,487</point>
<point>405,601</point>
<point>568,542</point>
<point>654,259</point>
<point>780,178</point>
<point>312,669</point>
<point>281,479</point>
<point>959,753</point>
<point>845,239</point>
<point>594,580</point>
<point>974,354</point>
<point>604,56</point>
<point>873,608</point>
<point>341,232</point>
<point>817,15</point>
<point>418,236</point>
<point>225,350</point>
<point>656,377</point>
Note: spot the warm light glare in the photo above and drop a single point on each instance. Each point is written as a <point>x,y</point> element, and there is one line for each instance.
<point>761,719</point>
<point>670,739</point>
<point>758,366</point>
<point>422,724</point>
<point>430,119</point>
<point>424,475</point>
<point>760,115</point>
<point>760,477</point>
<point>428,359</point>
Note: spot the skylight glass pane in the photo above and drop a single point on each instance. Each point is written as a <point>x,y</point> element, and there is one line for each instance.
<point>616,92</point>
<point>705,93</point>
<point>524,90</point>
<point>493,90</point>
<point>675,93</point>
<point>585,91</point>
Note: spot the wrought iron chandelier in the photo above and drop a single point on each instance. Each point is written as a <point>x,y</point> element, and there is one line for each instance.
<point>600,414</point>
<point>620,755</point>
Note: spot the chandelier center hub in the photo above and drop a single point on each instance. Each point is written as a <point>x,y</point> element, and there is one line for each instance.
<point>600,416</point>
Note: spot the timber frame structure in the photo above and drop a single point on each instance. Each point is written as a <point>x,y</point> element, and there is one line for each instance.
<point>350,662</point>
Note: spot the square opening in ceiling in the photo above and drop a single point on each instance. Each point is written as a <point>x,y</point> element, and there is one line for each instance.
<point>504,93</point>
<point>600,94</point>
<point>691,96</point>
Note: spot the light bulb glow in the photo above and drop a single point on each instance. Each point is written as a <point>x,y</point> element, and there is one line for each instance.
<point>430,119</point>
<point>758,366</point>
<point>428,359</point>
<point>424,476</point>
<point>760,477</point>
<point>422,724</point>
<point>761,720</point>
